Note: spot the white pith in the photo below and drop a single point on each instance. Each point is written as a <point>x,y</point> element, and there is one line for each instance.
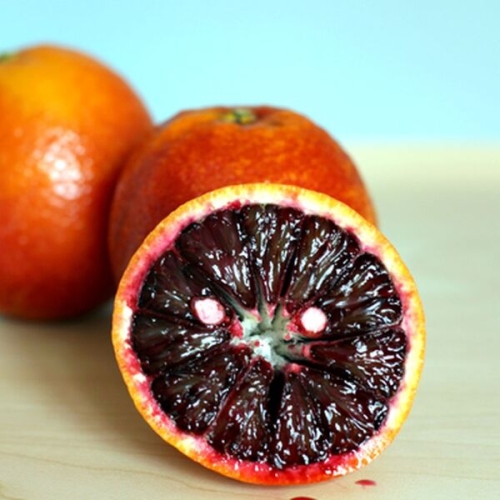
<point>266,333</point>
<point>271,333</point>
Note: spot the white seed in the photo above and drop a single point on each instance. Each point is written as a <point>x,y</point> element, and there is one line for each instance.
<point>313,320</point>
<point>209,311</point>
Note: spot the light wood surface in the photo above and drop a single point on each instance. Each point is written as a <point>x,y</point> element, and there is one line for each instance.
<point>68,429</point>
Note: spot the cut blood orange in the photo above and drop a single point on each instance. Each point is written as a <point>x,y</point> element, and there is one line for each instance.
<point>271,334</point>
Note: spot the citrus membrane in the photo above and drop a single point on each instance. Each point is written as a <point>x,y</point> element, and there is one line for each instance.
<point>271,334</point>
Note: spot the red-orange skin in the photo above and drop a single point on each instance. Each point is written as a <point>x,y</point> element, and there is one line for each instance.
<point>201,150</point>
<point>67,123</point>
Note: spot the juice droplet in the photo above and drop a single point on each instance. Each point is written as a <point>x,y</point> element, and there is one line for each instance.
<point>366,482</point>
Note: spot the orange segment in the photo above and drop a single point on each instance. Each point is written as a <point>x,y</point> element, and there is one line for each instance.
<point>247,390</point>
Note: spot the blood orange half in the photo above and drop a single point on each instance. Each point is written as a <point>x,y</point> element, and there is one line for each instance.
<point>271,334</point>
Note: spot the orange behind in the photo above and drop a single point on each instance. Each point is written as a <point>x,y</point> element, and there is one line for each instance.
<point>67,124</point>
<point>201,150</point>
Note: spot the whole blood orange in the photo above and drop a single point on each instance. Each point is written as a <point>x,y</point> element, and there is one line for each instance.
<point>271,334</point>
<point>204,149</point>
<point>67,122</point>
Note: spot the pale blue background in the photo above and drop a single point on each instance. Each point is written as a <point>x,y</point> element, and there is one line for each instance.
<point>366,70</point>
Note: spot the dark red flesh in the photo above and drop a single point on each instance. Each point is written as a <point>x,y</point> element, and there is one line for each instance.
<point>313,396</point>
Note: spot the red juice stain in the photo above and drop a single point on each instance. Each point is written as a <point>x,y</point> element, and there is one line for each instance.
<point>302,498</point>
<point>366,482</point>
